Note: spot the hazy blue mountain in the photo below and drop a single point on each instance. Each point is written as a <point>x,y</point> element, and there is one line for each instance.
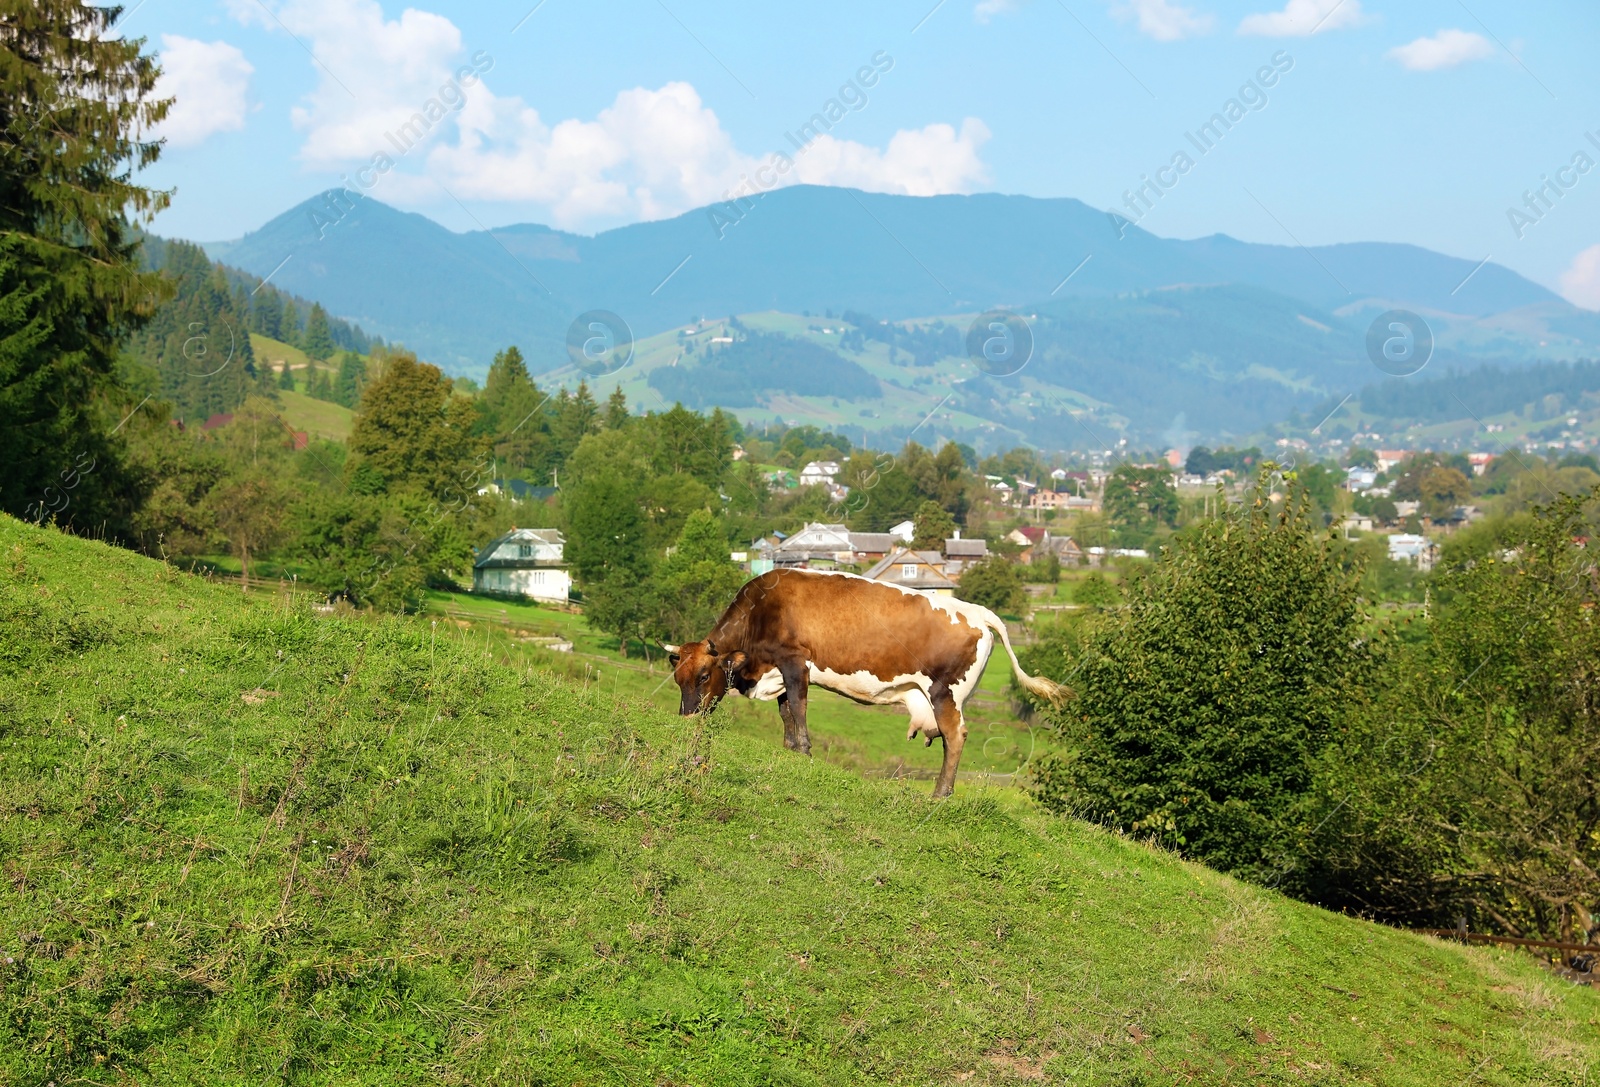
<point>457,298</point>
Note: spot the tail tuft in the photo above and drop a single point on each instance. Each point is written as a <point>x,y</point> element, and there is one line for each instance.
<point>1048,689</point>
<point>1040,686</point>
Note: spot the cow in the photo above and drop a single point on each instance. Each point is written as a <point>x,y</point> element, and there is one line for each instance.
<point>871,641</point>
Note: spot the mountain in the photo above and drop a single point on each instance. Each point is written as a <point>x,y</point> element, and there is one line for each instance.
<point>457,298</point>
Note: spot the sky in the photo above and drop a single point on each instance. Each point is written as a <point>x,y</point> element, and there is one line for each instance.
<point>1462,127</point>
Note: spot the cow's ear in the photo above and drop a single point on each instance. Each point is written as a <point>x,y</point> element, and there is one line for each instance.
<point>674,658</point>
<point>735,661</point>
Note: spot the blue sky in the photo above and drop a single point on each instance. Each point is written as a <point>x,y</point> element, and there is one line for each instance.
<point>1424,122</point>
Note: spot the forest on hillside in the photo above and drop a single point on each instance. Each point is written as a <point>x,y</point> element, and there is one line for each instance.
<point>756,365</point>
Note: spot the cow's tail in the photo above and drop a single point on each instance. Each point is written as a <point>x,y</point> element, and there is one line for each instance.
<point>1041,686</point>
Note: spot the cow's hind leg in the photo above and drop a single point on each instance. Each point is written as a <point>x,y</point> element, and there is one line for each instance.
<point>796,682</point>
<point>953,731</point>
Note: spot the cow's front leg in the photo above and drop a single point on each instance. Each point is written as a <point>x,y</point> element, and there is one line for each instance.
<point>953,731</point>
<point>791,738</point>
<point>795,685</point>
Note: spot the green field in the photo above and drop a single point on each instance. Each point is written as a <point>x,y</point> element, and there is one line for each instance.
<point>244,841</point>
<point>317,418</point>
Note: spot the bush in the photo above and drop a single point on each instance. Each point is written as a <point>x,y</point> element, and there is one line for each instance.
<point>1471,788</point>
<point>1203,704</point>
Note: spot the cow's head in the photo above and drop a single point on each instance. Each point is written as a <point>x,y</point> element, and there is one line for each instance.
<point>703,675</point>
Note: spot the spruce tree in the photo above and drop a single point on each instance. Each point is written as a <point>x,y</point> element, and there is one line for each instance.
<point>352,375</point>
<point>318,341</point>
<point>267,315</point>
<point>289,324</point>
<point>75,102</point>
<point>286,377</point>
<point>617,415</point>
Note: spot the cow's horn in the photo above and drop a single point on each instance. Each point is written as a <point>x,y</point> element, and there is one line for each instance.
<point>670,648</point>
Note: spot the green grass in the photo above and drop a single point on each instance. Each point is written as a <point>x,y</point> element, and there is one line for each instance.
<point>868,739</point>
<point>244,842</point>
<point>273,352</point>
<point>317,418</point>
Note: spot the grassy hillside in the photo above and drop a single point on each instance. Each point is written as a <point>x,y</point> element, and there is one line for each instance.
<point>316,417</point>
<point>245,842</point>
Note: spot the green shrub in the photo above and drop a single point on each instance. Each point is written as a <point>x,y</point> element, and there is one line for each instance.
<point>1202,705</point>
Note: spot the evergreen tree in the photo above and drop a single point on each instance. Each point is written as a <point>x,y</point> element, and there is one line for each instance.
<point>617,415</point>
<point>197,343</point>
<point>575,416</point>
<point>320,387</point>
<point>286,377</point>
<point>267,314</point>
<point>75,101</point>
<point>512,419</point>
<point>289,324</point>
<point>318,341</point>
<point>352,376</point>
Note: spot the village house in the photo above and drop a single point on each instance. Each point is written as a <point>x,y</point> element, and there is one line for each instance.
<point>1359,479</point>
<point>919,570</point>
<point>821,472</point>
<point>1037,542</point>
<point>1412,548</point>
<point>524,562</point>
<point>517,490</point>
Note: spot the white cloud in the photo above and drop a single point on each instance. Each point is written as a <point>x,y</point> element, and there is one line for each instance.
<point>373,73</point>
<point>655,153</point>
<point>922,162</point>
<point>988,9</point>
<point>1163,20</point>
<point>210,85</point>
<point>1302,18</point>
<point>1445,49</point>
<point>1580,283</point>
<point>650,154</point>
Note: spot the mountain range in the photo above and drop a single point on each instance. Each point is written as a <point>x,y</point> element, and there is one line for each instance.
<point>1232,333</point>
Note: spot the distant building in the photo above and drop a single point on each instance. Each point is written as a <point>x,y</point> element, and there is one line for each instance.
<point>905,531</point>
<point>819,472</point>
<point>1480,462</point>
<point>524,562</point>
<point>871,546</point>
<point>1412,548</point>
<point>1359,479</point>
<point>919,570</point>
<point>517,490</point>
<point>1388,458</point>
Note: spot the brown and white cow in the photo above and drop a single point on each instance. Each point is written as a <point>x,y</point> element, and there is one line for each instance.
<point>867,640</point>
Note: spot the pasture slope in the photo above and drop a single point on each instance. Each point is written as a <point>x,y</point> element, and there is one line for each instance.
<point>243,843</point>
